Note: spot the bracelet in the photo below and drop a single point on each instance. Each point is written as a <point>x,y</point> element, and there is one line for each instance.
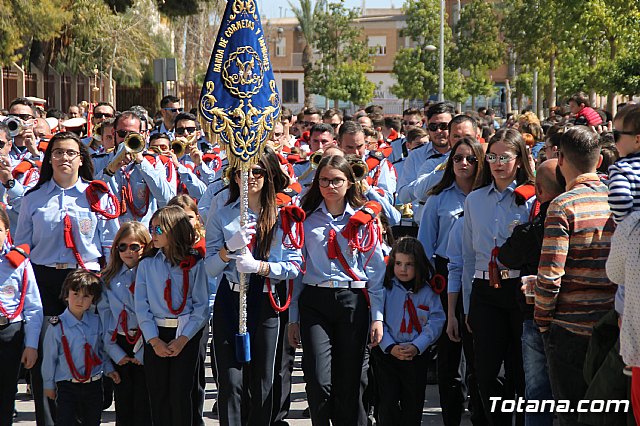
<point>264,269</point>
<point>227,248</point>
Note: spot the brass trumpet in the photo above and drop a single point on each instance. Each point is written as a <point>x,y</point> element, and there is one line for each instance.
<point>180,144</point>
<point>359,167</point>
<point>133,144</point>
<point>226,175</point>
<point>315,158</point>
<point>15,126</point>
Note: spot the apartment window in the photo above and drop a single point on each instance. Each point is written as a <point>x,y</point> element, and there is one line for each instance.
<point>378,44</point>
<point>281,47</point>
<point>290,91</point>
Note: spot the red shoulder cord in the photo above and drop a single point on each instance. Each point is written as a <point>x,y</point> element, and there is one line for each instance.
<point>289,214</point>
<point>69,242</point>
<point>90,359</point>
<point>93,192</point>
<point>123,319</point>
<point>127,199</point>
<point>186,266</point>
<point>23,293</point>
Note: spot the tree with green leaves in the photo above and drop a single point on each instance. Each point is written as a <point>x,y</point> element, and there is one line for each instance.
<point>340,72</point>
<point>307,13</point>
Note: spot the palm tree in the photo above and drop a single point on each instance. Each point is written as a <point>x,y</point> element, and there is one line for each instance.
<point>307,14</point>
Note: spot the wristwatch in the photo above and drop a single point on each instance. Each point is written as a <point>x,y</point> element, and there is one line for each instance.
<point>10,184</point>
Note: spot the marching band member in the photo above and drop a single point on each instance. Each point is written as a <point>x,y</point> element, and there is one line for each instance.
<point>321,137</point>
<point>25,143</point>
<point>329,310</point>
<point>171,302</point>
<point>273,239</point>
<point>65,205</point>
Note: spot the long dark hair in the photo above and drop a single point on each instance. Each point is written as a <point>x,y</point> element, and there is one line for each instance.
<point>274,181</point>
<point>449,177</point>
<point>411,247</point>
<point>514,140</point>
<point>46,171</point>
<point>312,199</point>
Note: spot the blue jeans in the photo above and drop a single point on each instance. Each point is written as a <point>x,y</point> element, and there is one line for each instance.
<point>536,373</point>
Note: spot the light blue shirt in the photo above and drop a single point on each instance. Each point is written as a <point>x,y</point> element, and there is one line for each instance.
<point>367,266</point>
<point>388,209</point>
<point>115,298</point>
<point>15,195</point>
<point>10,293</point>
<point>41,226</point>
<point>412,165</point>
<point>195,187</point>
<point>430,314</point>
<point>396,150</point>
<point>454,254</point>
<point>304,173</point>
<point>438,216</point>
<point>490,217</point>
<point>78,332</point>
<point>144,177</point>
<point>428,177</point>
<point>387,177</point>
<point>284,263</point>
<point>204,173</point>
<point>207,202</point>
<point>151,279</point>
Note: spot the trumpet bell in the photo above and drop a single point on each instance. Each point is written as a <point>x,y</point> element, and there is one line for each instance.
<point>15,126</point>
<point>359,167</point>
<point>315,158</point>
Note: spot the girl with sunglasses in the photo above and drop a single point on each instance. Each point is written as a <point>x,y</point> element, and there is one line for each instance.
<point>490,290</point>
<point>272,241</point>
<point>68,221</point>
<point>122,336</point>
<point>330,314</point>
<point>445,204</point>
<point>172,303</point>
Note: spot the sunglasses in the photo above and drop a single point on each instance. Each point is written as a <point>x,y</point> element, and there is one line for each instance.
<point>411,123</point>
<point>617,134</point>
<point>334,125</point>
<point>503,159</point>
<point>174,109</point>
<point>277,135</point>
<point>307,123</point>
<point>183,130</point>
<point>23,117</point>
<point>256,172</point>
<point>155,230</point>
<point>3,143</point>
<point>102,115</point>
<point>434,127</point>
<point>471,159</point>
<point>131,247</point>
<point>124,133</point>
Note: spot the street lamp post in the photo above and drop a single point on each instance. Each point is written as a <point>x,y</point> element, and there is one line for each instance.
<point>441,73</point>
<point>432,48</point>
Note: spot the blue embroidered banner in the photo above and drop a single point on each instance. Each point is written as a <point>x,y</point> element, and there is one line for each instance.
<point>239,99</point>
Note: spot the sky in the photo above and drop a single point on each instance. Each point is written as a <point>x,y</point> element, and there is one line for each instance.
<point>278,8</point>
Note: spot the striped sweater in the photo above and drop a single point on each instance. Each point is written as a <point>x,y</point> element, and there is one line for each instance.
<point>624,186</point>
<point>573,290</point>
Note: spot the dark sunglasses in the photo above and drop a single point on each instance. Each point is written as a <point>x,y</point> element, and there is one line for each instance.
<point>411,123</point>
<point>123,133</point>
<point>334,125</point>
<point>471,159</point>
<point>307,123</point>
<point>257,172</point>
<point>102,115</point>
<point>23,117</point>
<point>132,247</point>
<point>183,130</point>
<point>434,127</point>
<point>618,133</point>
<point>2,144</point>
<point>174,109</point>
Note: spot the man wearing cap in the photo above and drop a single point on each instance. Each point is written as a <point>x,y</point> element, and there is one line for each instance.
<point>75,125</point>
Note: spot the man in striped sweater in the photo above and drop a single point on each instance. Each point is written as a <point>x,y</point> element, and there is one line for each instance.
<point>573,291</point>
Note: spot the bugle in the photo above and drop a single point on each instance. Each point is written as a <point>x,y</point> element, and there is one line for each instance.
<point>359,167</point>
<point>15,126</point>
<point>180,144</point>
<point>133,144</point>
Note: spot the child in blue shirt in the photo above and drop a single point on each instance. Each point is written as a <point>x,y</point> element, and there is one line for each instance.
<point>73,360</point>
<point>413,320</point>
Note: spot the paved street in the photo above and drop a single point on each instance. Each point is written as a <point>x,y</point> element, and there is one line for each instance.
<point>431,413</point>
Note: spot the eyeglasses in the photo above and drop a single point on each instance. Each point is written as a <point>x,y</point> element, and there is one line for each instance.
<point>411,123</point>
<point>617,134</point>
<point>471,159</point>
<point>434,127</point>
<point>183,130</point>
<point>334,125</point>
<point>132,247</point>
<point>336,183</point>
<point>102,115</point>
<point>502,158</point>
<point>155,230</point>
<point>256,172</point>
<point>161,147</point>
<point>23,117</point>
<point>59,153</point>
<point>307,123</point>
<point>174,109</point>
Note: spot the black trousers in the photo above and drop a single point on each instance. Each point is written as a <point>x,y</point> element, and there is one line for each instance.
<point>170,380</point>
<point>496,322</point>
<point>11,347</point>
<point>49,285</point>
<point>284,358</point>
<point>81,401</point>
<point>245,391</point>
<point>401,388</point>
<point>199,385</point>
<point>131,394</point>
<point>566,352</point>
<point>334,325</point>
